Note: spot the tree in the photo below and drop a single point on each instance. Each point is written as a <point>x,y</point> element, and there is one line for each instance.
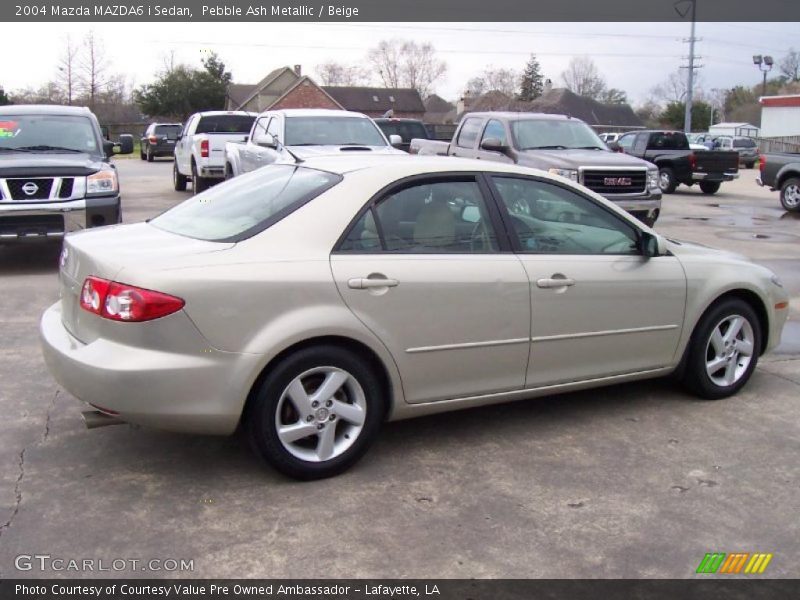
<point>92,68</point>
<point>613,96</point>
<point>583,78</point>
<point>476,87</point>
<point>531,83</point>
<point>790,65</point>
<point>673,115</point>
<point>185,90</point>
<point>338,74</point>
<point>3,98</point>
<point>649,113</point>
<point>673,89</point>
<point>67,69</point>
<point>493,79</point>
<point>402,63</point>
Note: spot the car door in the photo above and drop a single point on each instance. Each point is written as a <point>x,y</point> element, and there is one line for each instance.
<point>183,149</point>
<point>626,143</point>
<point>494,129</point>
<point>598,307</point>
<point>424,269</point>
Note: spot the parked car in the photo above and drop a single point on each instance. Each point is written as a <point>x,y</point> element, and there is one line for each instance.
<point>200,147</point>
<point>781,171</point>
<point>561,145</point>
<point>304,132</point>
<point>353,289</point>
<point>677,163</point>
<point>56,174</point>
<point>407,129</point>
<point>746,147</point>
<point>159,140</point>
<point>609,137</point>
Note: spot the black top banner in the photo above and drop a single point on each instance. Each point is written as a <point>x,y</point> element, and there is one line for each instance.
<point>402,10</point>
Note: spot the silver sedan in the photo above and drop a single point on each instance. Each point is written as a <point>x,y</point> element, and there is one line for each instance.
<point>311,302</point>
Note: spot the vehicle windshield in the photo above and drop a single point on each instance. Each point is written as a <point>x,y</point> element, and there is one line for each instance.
<point>332,131</point>
<point>225,124</point>
<point>48,133</point>
<point>171,131</point>
<point>240,208</point>
<point>743,143</point>
<point>407,130</point>
<point>554,134</point>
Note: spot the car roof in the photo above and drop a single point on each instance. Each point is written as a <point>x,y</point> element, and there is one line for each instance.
<point>521,116</point>
<point>44,109</point>
<point>315,112</point>
<point>216,113</point>
<point>390,119</point>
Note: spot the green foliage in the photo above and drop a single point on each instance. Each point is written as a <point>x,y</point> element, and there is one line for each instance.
<point>4,99</point>
<point>673,115</point>
<point>181,91</point>
<point>613,96</point>
<point>531,83</point>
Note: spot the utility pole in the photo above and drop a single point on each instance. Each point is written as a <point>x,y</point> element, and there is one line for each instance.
<point>687,120</point>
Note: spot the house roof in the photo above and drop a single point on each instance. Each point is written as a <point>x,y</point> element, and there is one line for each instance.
<point>728,125</point>
<point>240,92</point>
<point>263,86</point>
<point>300,81</point>
<point>437,104</point>
<point>368,99</point>
<point>563,101</point>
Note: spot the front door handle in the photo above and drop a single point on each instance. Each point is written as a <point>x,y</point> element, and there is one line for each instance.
<point>364,283</point>
<point>555,282</point>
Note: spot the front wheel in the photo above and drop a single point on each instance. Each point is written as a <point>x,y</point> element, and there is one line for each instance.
<point>723,351</point>
<point>316,413</point>
<point>790,194</point>
<point>666,180</point>
<point>709,187</point>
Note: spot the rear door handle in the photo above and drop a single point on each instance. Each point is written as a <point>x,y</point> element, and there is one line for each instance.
<point>555,282</point>
<point>364,283</point>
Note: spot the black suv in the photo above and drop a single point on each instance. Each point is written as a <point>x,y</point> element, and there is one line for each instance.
<point>159,140</point>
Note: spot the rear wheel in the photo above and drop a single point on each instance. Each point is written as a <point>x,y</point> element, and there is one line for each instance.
<point>228,171</point>
<point>790,194</point>
<point>199,184</point>
<point>723,351</point>
<point>709,187</point>
<point>316,413</point>
<point>150,156</point>
<point>178,180</point>
<point>666,180</point>
<point>141,154</point>
<point>750,165</point>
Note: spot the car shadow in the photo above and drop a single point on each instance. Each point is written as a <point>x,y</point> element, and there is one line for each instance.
<point>29,258</point>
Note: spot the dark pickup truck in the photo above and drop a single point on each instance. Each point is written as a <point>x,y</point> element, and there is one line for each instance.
<point>55,172</point>
<point>677,163</point>
<point>407,129</point>
<point>781,171</point>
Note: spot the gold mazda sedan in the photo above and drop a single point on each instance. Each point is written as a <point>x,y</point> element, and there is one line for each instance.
<point>309,302</point>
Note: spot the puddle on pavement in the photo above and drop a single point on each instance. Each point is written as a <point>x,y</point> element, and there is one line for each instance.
<point>789,216</point>
<point>752,236</point>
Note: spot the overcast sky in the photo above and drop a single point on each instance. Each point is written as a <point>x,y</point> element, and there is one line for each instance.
<point>631,56</point>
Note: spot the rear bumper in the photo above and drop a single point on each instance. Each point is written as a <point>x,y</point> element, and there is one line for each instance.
<point>214,172</point>
<point>714,176</point>
<point>40,221</point>
<point>201,391</point>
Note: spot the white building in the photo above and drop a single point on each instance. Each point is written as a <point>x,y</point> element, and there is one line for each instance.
<point>734,129</point>
<point>780,115</point>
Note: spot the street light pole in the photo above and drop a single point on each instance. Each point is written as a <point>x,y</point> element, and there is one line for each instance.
<point>764,64</point>
<point>687,119</point>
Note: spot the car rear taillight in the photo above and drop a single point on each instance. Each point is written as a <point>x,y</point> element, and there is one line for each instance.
<point>152,139</point>
<point>204,148</point>
<point>692,162</point>
<point>762,162</point>
<point>122,302</point>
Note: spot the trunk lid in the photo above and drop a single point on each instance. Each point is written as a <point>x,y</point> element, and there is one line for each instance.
<point>106,251</point>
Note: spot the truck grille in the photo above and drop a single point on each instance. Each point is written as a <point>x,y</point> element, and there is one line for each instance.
<point>66,187</point>
<point>29,189</point>
<point>615,182</point>
<point>31,225</point>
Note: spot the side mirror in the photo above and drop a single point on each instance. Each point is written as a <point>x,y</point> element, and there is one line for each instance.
<point>268,140</point>
<point>125,144</point>
<point>614,146</point>
<point>246,138</point>
<point>395,140</point>
<point>493,145</point>
<point>652,245</point>
<point>179,137</point>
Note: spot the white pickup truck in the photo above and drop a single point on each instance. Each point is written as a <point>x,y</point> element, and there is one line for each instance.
<point>200,147</point>
<point>305,132</point>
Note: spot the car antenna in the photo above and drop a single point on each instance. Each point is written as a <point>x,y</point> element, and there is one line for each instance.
<point>296,158</point>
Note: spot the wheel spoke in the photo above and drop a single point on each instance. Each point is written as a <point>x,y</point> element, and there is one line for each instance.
<point>349,412</point>
<point>744,347</point>
<point>718,342</point>
<point>296,431</point>
<point>730,373</point>
<point>325,444</point>
<point>297,394</point>
<point>714,365</point>
<point>733,329</point>
<point>333,381</point>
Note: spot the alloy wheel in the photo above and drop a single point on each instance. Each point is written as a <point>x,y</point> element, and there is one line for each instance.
<point>791,196</point>
<point>729,350</point>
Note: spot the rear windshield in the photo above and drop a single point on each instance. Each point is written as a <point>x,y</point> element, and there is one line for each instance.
<point>332,131</point>
<point>669,140</point>
<point>744,143</point>
<point>240,208</point>
<point>225,124</point>
<point>407,130</point>
<point>171,131</point>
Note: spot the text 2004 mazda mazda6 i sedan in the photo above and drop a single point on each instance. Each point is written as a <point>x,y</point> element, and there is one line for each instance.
<point>312,301</point>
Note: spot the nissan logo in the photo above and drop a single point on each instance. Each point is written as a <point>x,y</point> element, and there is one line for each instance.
<point>30,188</point>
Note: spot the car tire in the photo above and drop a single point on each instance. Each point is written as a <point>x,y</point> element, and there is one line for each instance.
<point>348,419</point>
<point>790,194</point>
<point>718,364</point>
<point>199,184</point>
<point>666,180</point>
<point>750,165</point>
<point>142,155</point>
<point>709,187</point>
<point>228,171</point>
<point>178,180</point>
<point>149,154</point>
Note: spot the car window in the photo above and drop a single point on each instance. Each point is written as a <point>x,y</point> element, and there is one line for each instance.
<point>495,129</point>
<point>274,127</point>
<point>407,130</point>
<point>743,143</point>
<point>469,133</point>
<point>260,130</point>
<point>61,133</point>
<point>626,141</point>
<point>426,218</point>
<point>171,131</point>
<point>640,146</point>
<point>550,219</point>
<point>247,204</point>
<point>225,124</point>
<point>331,131</point>
<point>669,140</point>
<point>532,134</point>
